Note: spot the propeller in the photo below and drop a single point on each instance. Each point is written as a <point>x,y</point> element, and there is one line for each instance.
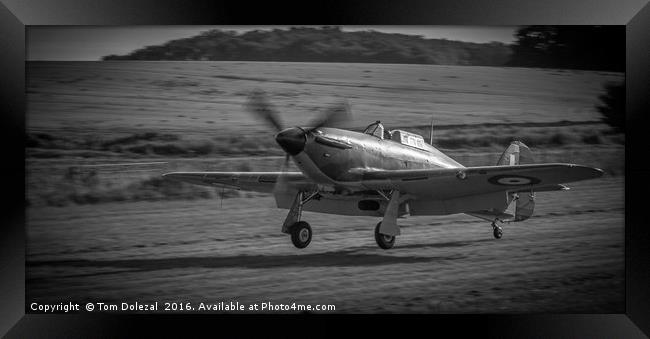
<point>336,115</point>
<point>293,139</point>
<point>281,183</point>
<point>259,105</point>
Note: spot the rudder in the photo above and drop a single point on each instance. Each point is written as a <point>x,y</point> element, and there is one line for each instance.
<point>517,153</point>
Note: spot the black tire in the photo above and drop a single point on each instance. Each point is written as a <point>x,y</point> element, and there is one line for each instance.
<point>301,234</point>
<point>498,233</point>
<point>383,241</point>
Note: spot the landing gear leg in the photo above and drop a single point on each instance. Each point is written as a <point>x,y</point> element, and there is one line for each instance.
<point>387,229</point>
<point>496,230</point>
<point>300,231</point>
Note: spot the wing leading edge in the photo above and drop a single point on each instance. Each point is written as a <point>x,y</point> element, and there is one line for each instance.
<point>248,181</point>
<point>444,183</point>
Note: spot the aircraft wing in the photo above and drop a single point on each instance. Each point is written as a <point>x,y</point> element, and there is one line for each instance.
<point>248,181</point>
<point>449,183</point>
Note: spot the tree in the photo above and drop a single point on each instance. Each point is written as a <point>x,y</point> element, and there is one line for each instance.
<point>324,44</point>
<point>575,47</point>
<point>613,106</point>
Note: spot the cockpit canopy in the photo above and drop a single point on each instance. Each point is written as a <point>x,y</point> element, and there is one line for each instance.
<point>406,138</point>
<point>376,129</point>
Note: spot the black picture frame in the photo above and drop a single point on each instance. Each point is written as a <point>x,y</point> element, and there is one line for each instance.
<point>15,15</point>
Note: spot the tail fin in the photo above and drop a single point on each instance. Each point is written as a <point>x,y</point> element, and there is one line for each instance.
<point>516,154</point>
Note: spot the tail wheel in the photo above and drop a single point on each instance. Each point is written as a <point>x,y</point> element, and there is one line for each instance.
<point>498,233</point>
<point>383,240</point>
<point>301,234</point>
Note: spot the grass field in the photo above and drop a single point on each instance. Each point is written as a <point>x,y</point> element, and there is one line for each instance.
<point>98,230</point>
<point>190,115</point>
<point>208,97</point>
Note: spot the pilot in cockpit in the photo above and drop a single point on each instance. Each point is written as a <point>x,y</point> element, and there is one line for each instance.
<point>377,129</point>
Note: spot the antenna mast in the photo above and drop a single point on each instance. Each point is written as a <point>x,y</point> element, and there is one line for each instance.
<point>431,133</point>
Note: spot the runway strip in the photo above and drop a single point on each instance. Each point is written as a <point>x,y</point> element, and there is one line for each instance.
<point>568,258</point>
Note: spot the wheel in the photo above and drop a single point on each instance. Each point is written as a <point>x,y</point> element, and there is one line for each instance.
<point>384,241</point>
<point>301,234</point>
<point>498,233</point>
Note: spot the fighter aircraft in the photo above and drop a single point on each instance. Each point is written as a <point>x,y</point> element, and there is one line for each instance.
<point>388,174</point>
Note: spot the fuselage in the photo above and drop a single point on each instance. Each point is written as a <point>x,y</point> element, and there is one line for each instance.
<point>332,155</point>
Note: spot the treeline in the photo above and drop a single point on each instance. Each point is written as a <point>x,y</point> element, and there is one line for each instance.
<point>572,47</point>
<point>325,44</point>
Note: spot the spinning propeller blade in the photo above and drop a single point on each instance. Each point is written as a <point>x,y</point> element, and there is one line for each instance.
<point>335,116</point>
<point>281,183</point>
<point>259,105</point>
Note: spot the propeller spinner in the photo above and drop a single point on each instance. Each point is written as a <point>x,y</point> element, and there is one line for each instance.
<point>292,140</point>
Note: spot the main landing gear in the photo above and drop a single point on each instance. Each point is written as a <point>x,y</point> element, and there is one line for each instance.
<point>383,240</point>
<point>300,231</point>
<point>300,234</point>
<point>387,229</point>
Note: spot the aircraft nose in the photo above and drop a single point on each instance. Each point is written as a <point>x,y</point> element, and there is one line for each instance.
<point>292,140</point>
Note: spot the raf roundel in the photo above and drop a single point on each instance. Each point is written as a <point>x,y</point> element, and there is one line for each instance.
<point>513,180</point>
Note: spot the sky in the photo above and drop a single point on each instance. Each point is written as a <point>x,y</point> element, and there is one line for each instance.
<point>86,43</point>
